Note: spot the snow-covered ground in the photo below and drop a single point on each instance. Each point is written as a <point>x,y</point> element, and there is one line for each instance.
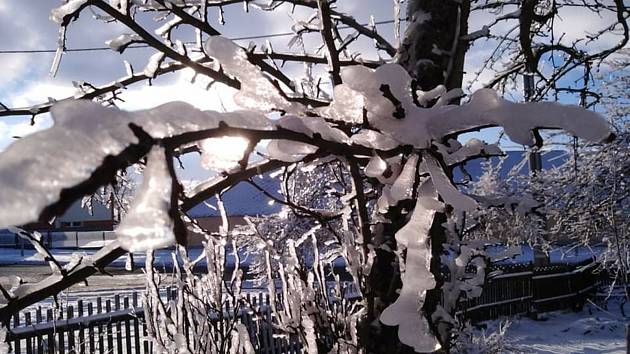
<point>593,330</point>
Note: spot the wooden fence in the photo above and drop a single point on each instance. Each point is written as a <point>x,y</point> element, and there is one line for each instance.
<point>524,289</point>
<point>116,325</point>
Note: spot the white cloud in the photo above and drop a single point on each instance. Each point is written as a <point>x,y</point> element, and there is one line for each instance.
<point>575,23</point>
<point>9,131</point>
<point>39,92</point>
<point>25,128</point>
<point>216,98</point>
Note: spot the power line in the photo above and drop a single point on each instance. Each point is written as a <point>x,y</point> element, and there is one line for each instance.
<point>94,49</point>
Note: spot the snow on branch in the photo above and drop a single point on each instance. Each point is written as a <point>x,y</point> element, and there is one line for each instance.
<point>390,107</point>
<point>256,92</point>
<point>90,142</point>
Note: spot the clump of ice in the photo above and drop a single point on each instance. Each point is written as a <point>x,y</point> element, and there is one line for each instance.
<point>387,98</point>
<point>405,312</point>
<point>148,225</point>
<point>121,42</point>
<point>83,134</point>
<point>257,92</point>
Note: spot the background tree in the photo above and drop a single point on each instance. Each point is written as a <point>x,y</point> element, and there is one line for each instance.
<point>388,133</point>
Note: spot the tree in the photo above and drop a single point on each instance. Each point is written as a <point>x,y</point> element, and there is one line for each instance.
<point>387,128</point>
<point>585,200</point>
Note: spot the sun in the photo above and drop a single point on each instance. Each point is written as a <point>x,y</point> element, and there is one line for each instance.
<point>222,154</point>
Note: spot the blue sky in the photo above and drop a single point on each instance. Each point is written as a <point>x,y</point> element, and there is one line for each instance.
<point>24,25</point>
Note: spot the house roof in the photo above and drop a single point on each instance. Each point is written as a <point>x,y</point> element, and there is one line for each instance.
<point>244,199</point>
<point>512,159</point>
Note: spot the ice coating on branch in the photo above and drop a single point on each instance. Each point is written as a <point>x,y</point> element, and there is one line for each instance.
<point>59,14</point>
<point>153,64</point>
<point>288,150</point>
<point>390,108</point>
<point>257,92</point>
<point>425,97</point>
<point>152,203</point>
<point>311,126</point>
<point>405,312</point>
<point>445,187</point>
<point>376,167</point>
<point>35,169</point>
<point>403,185</point>
<point>472,148</point>
<point>348,108</point>
<point>121,42</point>
<point>486,107</point>
<point>374,140</point>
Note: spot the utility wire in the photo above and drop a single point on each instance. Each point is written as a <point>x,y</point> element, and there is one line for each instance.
<point>94,49</point>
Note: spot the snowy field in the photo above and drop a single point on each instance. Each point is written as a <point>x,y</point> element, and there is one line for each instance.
<point>593,330</point>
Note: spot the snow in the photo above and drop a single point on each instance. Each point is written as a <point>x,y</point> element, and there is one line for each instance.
<point>403,185</point>
<point>154,63</point>
<point>122,41</point>
<point>446,189</point>
<point>473,147</point>
<point>374,140</point>
<point>153,202</point>
<point>375,167</point>
<point>351,113</point>
<point>289,151</point>
<point>592,330</point>
<point>311,126</point>
<point>59,14</point>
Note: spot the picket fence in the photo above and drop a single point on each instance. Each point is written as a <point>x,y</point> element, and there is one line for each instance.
<point>115,325</point>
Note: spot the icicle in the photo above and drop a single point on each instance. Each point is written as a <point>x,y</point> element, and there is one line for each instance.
<point>445,188</point>
<point>376,167</point>
<point>61,47</point>
<point>154,64</point>
<point>153,203</point>
<point>401,189</point>
<point>405,312</point>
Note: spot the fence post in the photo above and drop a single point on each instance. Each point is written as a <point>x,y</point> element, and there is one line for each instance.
<point>51,336</point>
<point>72,345</point>
<point>101,328</point>
<point>81,329</point>
<point>110,331</point>
<point>91,333</point>
<point>29,341</point>
<point>40,338</point>
<point>136,323</point>
<point>119,341</point>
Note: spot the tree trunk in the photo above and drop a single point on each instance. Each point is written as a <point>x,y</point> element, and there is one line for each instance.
<point>434,55</point>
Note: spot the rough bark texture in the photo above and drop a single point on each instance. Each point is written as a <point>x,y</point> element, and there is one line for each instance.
<point>431,50</point>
